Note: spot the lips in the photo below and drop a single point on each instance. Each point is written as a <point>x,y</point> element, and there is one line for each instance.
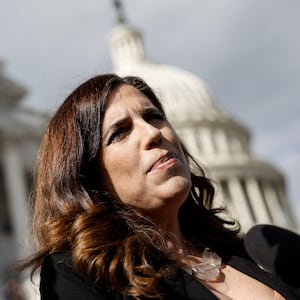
<point>163,161</point>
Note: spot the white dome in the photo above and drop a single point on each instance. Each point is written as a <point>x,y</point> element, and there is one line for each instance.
<point>251,188</point>
<point>184,96</point>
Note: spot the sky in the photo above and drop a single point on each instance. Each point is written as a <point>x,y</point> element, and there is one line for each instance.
<point>246,51</point>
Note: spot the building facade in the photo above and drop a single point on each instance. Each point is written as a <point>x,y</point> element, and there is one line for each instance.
<point>253,190</point>
<point>20,133</point>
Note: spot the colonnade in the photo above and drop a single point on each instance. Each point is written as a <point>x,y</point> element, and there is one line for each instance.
<point>16,191</point>
<point>252,190</point>
<point>255,203</point>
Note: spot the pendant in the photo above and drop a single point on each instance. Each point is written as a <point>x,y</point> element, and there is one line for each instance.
<point>209,268</point>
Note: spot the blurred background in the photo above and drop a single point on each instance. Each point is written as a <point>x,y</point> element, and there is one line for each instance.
<point>247,52</point>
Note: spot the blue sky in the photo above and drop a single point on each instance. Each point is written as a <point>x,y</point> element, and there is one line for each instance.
<point>246,51</point>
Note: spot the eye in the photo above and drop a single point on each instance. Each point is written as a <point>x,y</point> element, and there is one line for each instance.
<point>118,135</point>
<point>154,117</point>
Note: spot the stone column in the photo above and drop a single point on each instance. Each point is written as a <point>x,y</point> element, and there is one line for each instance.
<point>207,142</point>
<point>274,206</point>
<point>236,144</point>
<point>240,203</point>
<point>191,141</point>
<point>14,177</point>
<point>222,142</point>
<point>291,221</point>
<point>257,201</point>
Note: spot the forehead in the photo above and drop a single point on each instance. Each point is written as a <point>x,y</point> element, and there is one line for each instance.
<point>126,93</point>
<point>126,99</point>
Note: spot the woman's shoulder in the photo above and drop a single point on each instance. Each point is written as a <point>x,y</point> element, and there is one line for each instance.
<point>58,259</point>
<point>58,265</point>
<point>60,280</point>
<point>241,261</point>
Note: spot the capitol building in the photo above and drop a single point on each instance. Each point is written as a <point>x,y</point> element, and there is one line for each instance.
<point>252,189</point>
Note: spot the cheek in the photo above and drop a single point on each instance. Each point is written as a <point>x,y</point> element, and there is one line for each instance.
<point>108,167</point>
<point>117,167</point>
<point>120,183</point>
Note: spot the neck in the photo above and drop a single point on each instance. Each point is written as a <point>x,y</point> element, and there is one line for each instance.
<point>169,223</point>
<point>172,227</point>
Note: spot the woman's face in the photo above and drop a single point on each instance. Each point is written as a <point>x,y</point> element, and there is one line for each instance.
<point>142,161</point>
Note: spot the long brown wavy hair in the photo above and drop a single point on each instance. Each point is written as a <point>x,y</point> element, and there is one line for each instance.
<point>111,244</point>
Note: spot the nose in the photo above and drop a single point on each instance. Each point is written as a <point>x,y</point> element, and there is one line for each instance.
<point>151,136</point>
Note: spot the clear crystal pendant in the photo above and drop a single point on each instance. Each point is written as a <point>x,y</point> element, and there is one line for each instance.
<point>209,268</point>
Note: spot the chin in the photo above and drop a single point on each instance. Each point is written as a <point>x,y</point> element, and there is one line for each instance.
<point>181,187</point>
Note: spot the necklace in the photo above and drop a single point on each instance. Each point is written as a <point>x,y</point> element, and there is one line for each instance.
<point>209,269</point>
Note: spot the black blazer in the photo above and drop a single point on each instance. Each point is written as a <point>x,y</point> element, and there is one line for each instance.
<point>60,281</point>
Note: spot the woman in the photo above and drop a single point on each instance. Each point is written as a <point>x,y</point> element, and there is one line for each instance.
<point>118,214</point>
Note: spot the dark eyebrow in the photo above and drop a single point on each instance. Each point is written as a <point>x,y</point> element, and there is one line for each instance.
<point>119,123</point>
<point>114,127</point>
<point>151,109</point>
